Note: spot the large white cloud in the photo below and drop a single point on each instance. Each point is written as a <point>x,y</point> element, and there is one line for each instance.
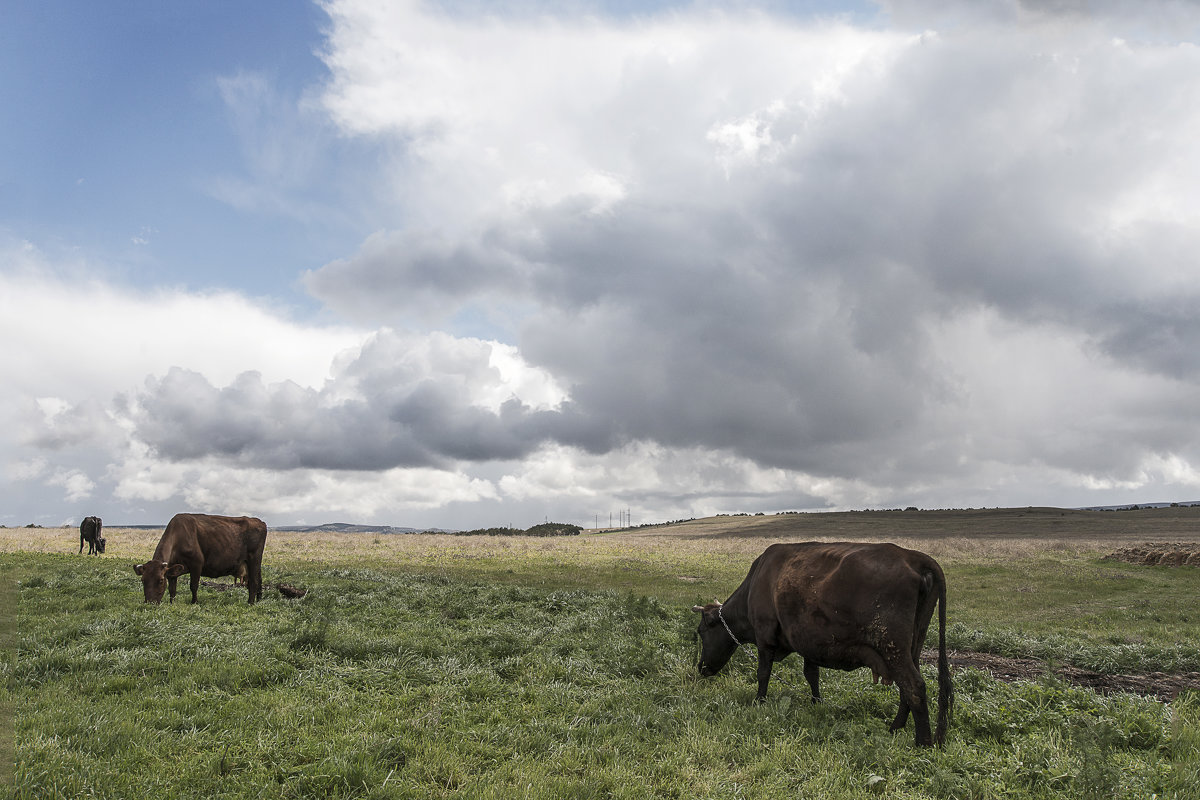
<point>78,335</point>
<point>800,223</point>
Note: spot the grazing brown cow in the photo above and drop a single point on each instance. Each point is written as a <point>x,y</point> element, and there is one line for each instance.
<point>208,546</point>
<point>90,531</point>
<point>840,605</point>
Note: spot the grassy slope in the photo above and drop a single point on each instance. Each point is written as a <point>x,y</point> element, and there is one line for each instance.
<point>1021,581</point>
<point>1173,524</point>
<point>436,666</point>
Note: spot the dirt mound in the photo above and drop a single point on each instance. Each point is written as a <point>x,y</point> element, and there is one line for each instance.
<point>1160,685</point>
<point>1165,554</point>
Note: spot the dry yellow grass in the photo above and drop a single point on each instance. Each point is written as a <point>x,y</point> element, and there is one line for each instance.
<point>974,536</point>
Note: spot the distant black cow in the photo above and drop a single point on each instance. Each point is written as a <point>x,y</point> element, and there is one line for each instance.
<point>840,605</point>
<point>209,546</point>
<point>89,531</point>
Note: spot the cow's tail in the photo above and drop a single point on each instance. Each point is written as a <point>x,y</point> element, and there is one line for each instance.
<point>945,687</point>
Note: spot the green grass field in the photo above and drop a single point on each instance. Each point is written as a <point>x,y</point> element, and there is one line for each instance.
<point>436,666</point>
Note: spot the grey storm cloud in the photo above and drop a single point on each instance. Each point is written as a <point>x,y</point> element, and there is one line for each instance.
<point>372,415</point>
<point>433,266</point>
<point>679,339</point>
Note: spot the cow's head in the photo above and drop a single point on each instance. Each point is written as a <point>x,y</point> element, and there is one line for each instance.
<point>717,645</point>
<point>154,576</point>
<point>100,545</point>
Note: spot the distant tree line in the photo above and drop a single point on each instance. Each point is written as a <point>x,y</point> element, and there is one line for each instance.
<point>660,524</point>
<point>1152,508</point>
<point>544,529</point>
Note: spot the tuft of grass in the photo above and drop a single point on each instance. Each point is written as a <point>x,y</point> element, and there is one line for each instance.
<point>9,576</point>
<point>1078,610</point>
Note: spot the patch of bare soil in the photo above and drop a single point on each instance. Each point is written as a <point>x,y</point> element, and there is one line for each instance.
<point>284,589</point>
<point>1165,554</point>
<point>220,587</point>
<point>1160,685</point>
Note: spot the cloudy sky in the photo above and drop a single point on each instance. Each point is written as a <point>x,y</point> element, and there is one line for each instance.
<point>460,263</point>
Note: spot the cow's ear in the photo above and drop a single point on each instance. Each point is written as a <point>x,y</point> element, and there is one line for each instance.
<point>138,568</point>
<point>175,570</point>
<point>698,609</point>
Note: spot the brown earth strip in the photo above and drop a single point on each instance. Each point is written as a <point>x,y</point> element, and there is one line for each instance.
<point>1160,685</point>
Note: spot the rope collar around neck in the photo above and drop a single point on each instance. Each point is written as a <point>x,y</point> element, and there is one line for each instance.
<point>721,616</point>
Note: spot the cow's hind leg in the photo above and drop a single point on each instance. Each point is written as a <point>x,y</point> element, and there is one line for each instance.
<point>913,697</point>
<point>901,719</point>
<point>254,582</point>
<point>812,674</point>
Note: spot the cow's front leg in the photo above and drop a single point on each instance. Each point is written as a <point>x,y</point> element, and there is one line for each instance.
<point>171,587</point>
<point>195,584</point>
<point>812,674</point>
<point>766,656</point>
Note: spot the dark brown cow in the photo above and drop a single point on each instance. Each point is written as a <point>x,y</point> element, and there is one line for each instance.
<point>90,531</point>
<point>208,546</point>
<point>840,605</point>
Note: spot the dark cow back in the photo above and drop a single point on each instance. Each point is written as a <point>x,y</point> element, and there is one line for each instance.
<point>841,605</point>
<point>205,545</point>
<point>90,531</point>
